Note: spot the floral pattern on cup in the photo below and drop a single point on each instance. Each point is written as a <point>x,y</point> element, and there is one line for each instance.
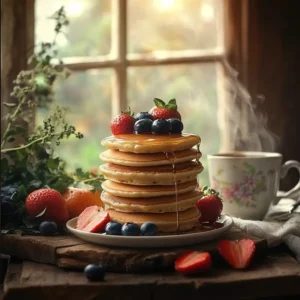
<point>243,193</point>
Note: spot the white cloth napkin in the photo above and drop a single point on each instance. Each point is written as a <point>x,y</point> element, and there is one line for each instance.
<point>279,226</point>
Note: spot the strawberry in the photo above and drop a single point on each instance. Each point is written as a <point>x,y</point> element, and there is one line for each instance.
<point>165,111</point>
<point>93,219</point>
<point>49,199</point>
<point>123,123</point>
<point>210,205</point>
<point>192,262</point>
<point>237,253</point>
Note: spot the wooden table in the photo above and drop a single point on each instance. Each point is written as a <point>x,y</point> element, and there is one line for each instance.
<point>275,275</point>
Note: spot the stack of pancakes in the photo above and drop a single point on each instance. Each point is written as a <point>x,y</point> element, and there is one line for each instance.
<point>152,178</point>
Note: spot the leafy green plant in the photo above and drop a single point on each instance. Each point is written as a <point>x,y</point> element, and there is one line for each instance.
<point>33,164</point>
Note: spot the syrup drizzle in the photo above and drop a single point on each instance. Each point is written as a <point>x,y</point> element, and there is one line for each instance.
<point>175,185</point>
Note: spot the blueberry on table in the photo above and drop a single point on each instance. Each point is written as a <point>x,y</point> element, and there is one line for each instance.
<point>160,126</point>
<point>142,126</point>
<point>113,228</point>
<point>48,228</point>
<point>94,272</point>
<point>176,125</point>
<point>131,229</point>
<point>143,115</point>
<point>148,228</point>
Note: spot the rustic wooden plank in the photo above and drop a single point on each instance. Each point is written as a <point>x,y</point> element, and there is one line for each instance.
<point>277,275</point>
<point>70,252</point>
<point>137,260</point>
<point>37,248</point>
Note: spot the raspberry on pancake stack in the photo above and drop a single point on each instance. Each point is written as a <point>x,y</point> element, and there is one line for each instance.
<point>151,170</point>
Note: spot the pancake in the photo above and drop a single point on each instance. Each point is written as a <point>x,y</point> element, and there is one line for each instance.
<point>151,143</point>
<point>156,175</point>
<point>162,204</point>
<point>135,191</point>
<point>167,222</point>
<point>146,159</point>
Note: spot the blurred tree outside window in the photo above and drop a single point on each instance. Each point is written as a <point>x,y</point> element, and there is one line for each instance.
<point>156,32</point>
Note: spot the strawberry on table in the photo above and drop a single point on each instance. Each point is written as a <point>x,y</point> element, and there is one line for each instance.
<point>192,262</point>
<point>49,199</point>
<point>123,124</point>
<point>165,111</point>
<point>93,219</point>
<point>238,254</point>
<point>210,205</point>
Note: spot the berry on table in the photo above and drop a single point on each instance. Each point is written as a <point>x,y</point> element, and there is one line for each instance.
<point>123,124</point>
<point>143,126</point>
<point>161,110</point>
<point>130,229</point>
<point>48,228</point>
<point>148,229</point>
<point>193,262</point>
<point>160,126</point>
<point>176,125</point>
<point>238,254</point>
<point>143,115</point>
<point>94,272</point>
<point>113,228</point>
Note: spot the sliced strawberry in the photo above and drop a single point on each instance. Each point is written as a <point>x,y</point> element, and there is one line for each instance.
<point>92,219</point>
<point>165,111</point>
<point>192,262</point>
<point>237,253</point>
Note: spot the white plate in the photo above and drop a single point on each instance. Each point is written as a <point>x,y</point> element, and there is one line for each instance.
<point>150,241</point>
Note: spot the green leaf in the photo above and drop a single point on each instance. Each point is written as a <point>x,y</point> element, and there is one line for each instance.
<point>62,183</point>
<point>9,104</point>
<point>33,186</point>
<point>9,133</point>
<point>53,163</point>
<point>11,139</point>
<point>20,129</point>
<point>172,104</point>
<point>20,194</point>
<point>159,103</point>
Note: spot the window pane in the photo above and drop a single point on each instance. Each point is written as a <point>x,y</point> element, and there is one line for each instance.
<point>88,97</point>
<point>195,89</point>
<point>89,32</point>
<point>173,25</point>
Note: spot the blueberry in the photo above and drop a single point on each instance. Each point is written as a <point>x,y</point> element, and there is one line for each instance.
<point>148,228</point>
<point>48,228</point>
<point>160,126</point>
<point>176,125</point>
<point>143,126</point>
<point>7,207</point>
<point>113,228</point>
<point>130,229</point>
<point>143,115</point>
<point>94,272</point>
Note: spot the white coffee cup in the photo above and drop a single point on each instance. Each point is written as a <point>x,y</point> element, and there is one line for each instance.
<point>248,182</point>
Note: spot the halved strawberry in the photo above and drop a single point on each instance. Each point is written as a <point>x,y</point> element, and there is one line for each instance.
<point>93,219</point>
<point>237,253</point>
<point>192,262</point>
<point>123,124</point>
<point>165,111</point>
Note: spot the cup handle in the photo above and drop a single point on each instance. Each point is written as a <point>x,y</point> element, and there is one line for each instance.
<point>292,193</point>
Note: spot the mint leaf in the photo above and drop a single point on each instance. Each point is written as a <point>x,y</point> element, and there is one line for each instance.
<point>159,103</point>
<point>53,163</point>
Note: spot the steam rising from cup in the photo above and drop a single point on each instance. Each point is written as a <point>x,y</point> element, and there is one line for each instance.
<point>244,126</point>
